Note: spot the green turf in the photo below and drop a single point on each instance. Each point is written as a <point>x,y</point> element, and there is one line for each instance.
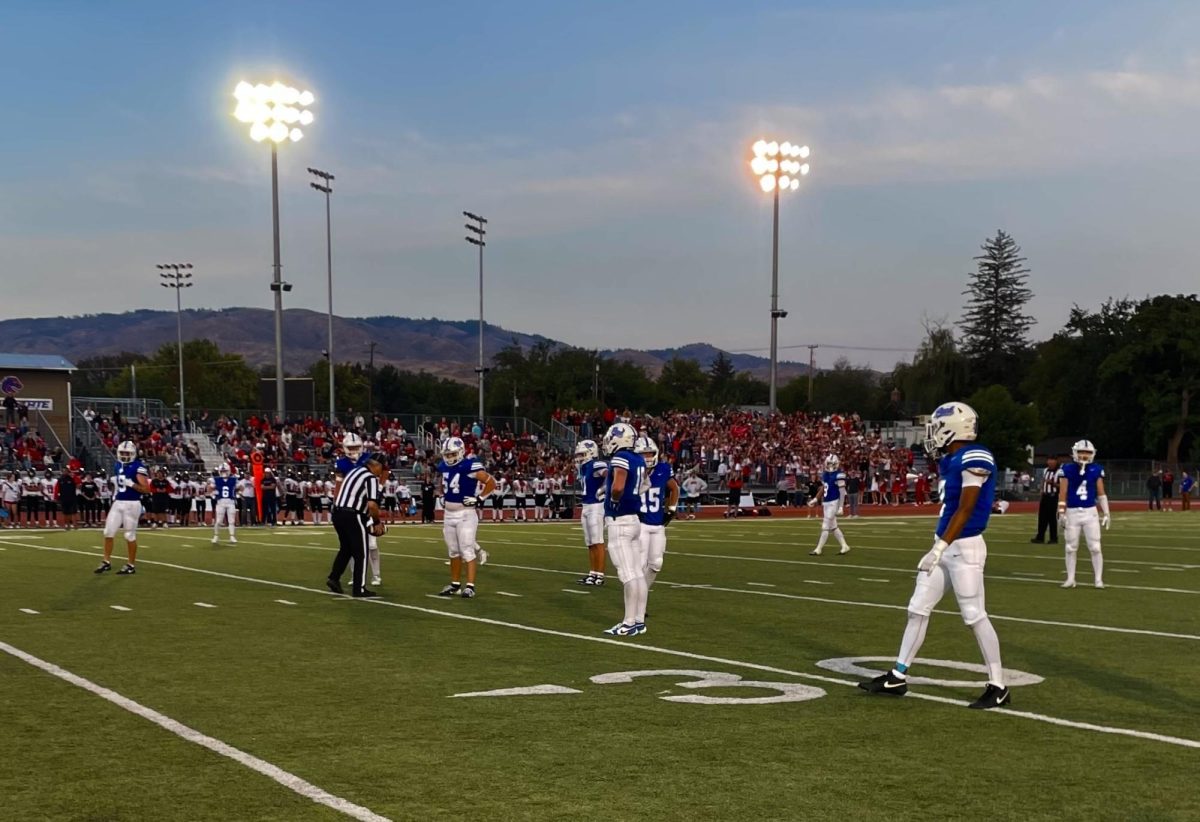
<point>354,696</point>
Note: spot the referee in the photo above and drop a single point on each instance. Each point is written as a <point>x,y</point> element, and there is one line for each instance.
<point>357,502</point>
<point>1048,507</point>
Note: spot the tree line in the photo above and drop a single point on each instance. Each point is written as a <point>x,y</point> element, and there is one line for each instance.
<point>1126,375</point>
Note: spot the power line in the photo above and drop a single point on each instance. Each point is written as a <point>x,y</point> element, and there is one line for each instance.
<point>829,345</point>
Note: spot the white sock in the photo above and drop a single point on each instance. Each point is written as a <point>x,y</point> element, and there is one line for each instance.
<point>1071,557</point>
<point>1098,565</point>
<point>841,538</point>
<point>373,554</point>
<point>914,636</point>
<point>989,646</point>
<point>821,540</point>
<point>634,599</point>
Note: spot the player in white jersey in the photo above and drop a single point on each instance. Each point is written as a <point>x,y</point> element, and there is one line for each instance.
<point>223,490</point>
<point>404,499</point>
<point>832,495</point>
<point>502,490</point>
<point>50,499</point>
<point>520,489</point>
<point>541,493</point>
<point>391,490</point>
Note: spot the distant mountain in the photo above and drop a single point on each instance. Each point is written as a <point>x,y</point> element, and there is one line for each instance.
<point>445,347</point>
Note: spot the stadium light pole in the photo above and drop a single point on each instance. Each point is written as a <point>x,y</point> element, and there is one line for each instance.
<point>480,232</point>
<point>274,112</point>
<point>327,190</point>
<point>777,168</point>
<point>177,276</point>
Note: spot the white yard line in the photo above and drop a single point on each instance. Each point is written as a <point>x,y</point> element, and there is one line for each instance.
<point>575,591</point>
<point>27,611</point>
<point>506,594</point>
<point>868,579</point>
<point>119,608</point>
<point>817,582</point>
<point>203,605</point>
<point>1105,729</point>
<point>287,780</point>
<point>285,602</point>
<point>761,584</point>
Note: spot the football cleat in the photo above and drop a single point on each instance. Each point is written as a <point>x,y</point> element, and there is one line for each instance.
<point>365,593</point>
<point>215,540</point>
<point>1099,585</point>
<point>468,592</point>
<point>639,628</point>
<point>621,629</point>
<point>334,585</point>
<point>845,550</point>
<point>1070,583</point>
<point>376,580</point>
<point>450,590</point>
<point>127,570</point>
<point>816,552</point>
<point>483,557</point>
<point>888,683</point>
<point>993,697</point>
<point>590,579</point>
<point>104,566</point>
<point>233,540</point>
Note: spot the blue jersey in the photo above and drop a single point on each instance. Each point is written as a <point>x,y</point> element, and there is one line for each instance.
<point>630,501</point>
<point>654,500</point>
<point>832,482</point>
<point>125,476</point>
<point>1185,485</point>
<point>225,488</point>
<point>1082,483</point>
<point>344,465</point>
<point>458,480</point>
<point>951,468</point>
<point>591,481</point>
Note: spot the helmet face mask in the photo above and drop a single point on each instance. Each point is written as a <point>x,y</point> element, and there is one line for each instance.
<point>453,451</point>
<point>648,449</point>
<point>127,451</point>
<point>949,423</point>
<point>223,469</point>
<point>352,444</point>
<point>1083,452</point>
<point>832,463</point>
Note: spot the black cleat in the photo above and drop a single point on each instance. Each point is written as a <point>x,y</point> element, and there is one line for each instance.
<point>104,566</point>
<point>1036,541</point>
<point>334,585</point>
<point>449,591</point>
<point>365,594</point>
<point>888,683</point>
<point>590,579</point>
<point>127,570</point>
<point>993,697</point>
<point>468,592</point>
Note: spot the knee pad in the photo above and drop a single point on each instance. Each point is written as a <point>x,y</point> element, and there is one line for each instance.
<point>1095,550</point>
<point>1072,548</point>
<point>453,552</point>
<point>655,566</point>
<point>131,536</point>
<point>972,612</point>
<point>468,553</point>
<point>627,574</point>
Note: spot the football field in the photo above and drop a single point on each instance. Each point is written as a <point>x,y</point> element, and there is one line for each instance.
<point>226,683</point>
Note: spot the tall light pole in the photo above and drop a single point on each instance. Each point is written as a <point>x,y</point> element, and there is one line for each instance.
<point>275,112</point>
<point>177,276</point>
<point>778,169</point>
<point>480,232</point>
<point>327,190</point>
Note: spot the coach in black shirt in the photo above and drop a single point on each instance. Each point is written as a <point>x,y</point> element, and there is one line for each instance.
<point>357,501</point>
<point>1048,507</point>
<point>427,496</point>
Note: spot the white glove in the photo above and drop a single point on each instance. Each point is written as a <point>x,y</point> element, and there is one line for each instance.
<point>931,560</point>
<point>1062,517</point>
<point>841,511</point>
<point>812,501</point>
<point>1105,521</point>
<point>470,502</point>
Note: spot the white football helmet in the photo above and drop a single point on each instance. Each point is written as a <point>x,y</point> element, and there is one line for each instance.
<point>454,450</point>
<point>950,422</point>
<point>1083,452</point>
<point>832,463</point>
<point>619,435</point>
<point>586,450</point>
<point>223,469</point>
<point>648,449</point>
<point>352,444</point>
<point>127,451</point>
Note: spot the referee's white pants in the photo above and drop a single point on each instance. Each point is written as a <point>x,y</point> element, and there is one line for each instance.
<point>459,528</point>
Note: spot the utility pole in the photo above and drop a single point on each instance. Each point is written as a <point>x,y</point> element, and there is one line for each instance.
<point>327,190</point>
<point>371,346</point>
<point>811,371</point>
<point>480,232</point>
<point>177,276</point>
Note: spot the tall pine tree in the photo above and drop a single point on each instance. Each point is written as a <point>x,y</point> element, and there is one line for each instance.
<point>995,327</point>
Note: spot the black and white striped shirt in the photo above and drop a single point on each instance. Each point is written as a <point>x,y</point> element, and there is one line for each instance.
<point>1050,480</point>
<point>358,488</point>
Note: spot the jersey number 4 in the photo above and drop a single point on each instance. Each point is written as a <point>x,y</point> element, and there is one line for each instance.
<point>1082,491</point>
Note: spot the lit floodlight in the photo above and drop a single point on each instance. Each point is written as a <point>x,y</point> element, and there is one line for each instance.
<point>759,166</point>
<point>767,182</point>
<point>306,98</point>
<point>279,132</point>
<point>804,170</point>
<point>306,118</point>
<point>785,149</point>
<point>785,182</point>
<point>795,183</point>
<point>802,153</point>
<point>295,134</point>
<point>272,111</point>
<point>244,91</point>
<point>773,166</point>
<point>772,148</point>
<point>259,132</point>
<point>759,148</point>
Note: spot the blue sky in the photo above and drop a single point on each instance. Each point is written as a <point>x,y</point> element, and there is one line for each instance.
<point>607,143</point>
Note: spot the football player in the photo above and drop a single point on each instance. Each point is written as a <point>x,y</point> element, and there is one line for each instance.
<point>623,488</point>
<point>958,554</point>
<point>223,489</point>
<point>1078,499</point>
<point>541,490</point>
<point>132,480</point>
<point>592,471</point>
<point>464,484</point>
<point>832,495</point>
<point>660,500</point>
